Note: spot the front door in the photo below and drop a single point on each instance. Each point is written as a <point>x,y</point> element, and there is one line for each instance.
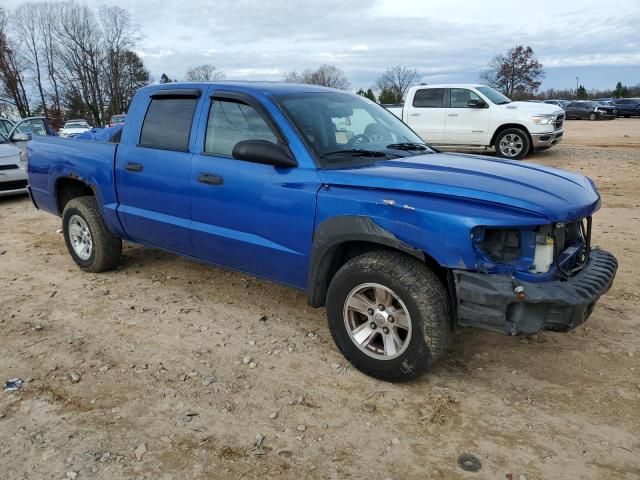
<point>249,216</point>
<point>153,173</point>
<point>466,125</point>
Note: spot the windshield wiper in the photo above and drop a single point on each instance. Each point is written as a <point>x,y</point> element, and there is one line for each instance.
<point>356,152</point>
<point>407,146</point>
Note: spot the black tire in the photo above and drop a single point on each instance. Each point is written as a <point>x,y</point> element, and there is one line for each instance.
<point>522,134</point>
<point>425,299</point>
<point>106,248</point>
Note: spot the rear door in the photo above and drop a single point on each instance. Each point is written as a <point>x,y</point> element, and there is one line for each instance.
<point>426,114</point>
<point>466,125</point>
<point>249,216</point>
<point>153,167</point>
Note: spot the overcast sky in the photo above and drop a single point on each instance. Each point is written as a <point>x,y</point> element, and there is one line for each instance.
<point>446,41</point>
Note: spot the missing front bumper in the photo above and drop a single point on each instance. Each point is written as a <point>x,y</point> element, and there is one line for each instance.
<point>489,301</point>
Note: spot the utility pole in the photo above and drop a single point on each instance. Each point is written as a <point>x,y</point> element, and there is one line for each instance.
<point>577,82</point>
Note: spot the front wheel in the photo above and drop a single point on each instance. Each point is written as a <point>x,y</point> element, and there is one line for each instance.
<point>592,116</point>
<point>512,143</point>
<point>91,245</point>
<point>389,315</point>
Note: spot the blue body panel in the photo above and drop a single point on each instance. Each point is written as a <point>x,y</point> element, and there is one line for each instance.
<point>262,220</point>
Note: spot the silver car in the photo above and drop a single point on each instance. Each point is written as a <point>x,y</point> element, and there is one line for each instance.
<point>13,176</point>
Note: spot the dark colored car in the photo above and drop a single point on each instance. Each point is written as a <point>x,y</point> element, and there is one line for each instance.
<point>627,107</point>
<point>560,103</point>
<point>588,110</point>
<point>607,107</point>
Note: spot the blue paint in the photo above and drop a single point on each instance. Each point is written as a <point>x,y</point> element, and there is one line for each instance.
<point>262,220</point>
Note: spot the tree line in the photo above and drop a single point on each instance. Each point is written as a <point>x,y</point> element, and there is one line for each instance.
<point>65,60</point>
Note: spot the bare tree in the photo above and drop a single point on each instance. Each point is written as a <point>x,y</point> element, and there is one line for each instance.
<point>204,73</point>
<point>81,52</point>
<point>25,22</point>
<point>45,15</point>
<point>395,81</point>
<point>120,37</point>
<point>325,75</point>
<point>12,90</point>
<point>517,73</point>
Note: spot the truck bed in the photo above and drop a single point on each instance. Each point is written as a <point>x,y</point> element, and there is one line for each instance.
<point>52,159</point>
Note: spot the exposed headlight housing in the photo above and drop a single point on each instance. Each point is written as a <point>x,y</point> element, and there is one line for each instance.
<point>501,245</point>
<point>543,119</point>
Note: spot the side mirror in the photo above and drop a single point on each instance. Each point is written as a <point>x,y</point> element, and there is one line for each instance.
<point>20,137</point>
<point>263,151</point>
<point>475,103</point>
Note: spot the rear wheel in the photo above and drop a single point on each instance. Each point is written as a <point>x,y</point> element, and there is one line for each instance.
<point>91,245</point>
<point>512,143</point>
<point>389,315</point>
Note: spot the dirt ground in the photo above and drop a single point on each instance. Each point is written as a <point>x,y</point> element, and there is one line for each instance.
<point>169,369</point>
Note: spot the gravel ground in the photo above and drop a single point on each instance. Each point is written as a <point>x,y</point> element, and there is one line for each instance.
<point>169,369</point>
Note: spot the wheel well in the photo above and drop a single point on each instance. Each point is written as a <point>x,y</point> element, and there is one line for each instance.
<point>343,252</point>
<point>506,126</point>
<point>70,188</point>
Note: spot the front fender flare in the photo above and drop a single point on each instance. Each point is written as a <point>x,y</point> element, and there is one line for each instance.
<point>336,231</point>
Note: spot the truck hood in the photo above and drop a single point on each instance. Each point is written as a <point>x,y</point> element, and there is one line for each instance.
<point>555,194</point>
<point>532,108</point>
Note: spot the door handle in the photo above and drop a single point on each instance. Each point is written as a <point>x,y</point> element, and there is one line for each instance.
<point>133,167</point>
<point>452,115</point>
<point>210,179</point>
<point>414,115</point>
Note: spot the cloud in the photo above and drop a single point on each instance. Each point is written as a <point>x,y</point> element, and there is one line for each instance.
<point>442,40</point>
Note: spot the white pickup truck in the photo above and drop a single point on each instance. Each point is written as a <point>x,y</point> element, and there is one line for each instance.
<point>477,116</point>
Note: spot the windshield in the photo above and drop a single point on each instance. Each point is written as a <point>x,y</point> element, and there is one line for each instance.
<point>117,119</point>
<point>493,95</point>
<point>76,125</point>
<point>345,129</point>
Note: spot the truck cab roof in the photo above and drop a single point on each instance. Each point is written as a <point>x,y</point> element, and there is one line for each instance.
<point>264,87</point>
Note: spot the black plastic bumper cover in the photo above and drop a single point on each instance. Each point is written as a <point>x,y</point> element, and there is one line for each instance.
<point>489,301</point>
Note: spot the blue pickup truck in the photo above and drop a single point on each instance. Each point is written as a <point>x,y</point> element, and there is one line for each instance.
<point>330,193</point>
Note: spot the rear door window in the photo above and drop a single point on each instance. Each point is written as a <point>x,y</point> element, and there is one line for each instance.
<point>167,125</point>
<point>232,122</point>
<point>429,98</point>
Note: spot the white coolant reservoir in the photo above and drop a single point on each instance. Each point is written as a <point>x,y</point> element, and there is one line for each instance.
<point>543,257</point>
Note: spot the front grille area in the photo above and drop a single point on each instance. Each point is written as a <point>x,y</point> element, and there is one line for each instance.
<point>559,122</point>
<point>8,167</point>
<point>13,185</point>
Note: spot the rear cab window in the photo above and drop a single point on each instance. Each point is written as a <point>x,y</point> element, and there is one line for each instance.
<point>429,98</point>
<point>167,123</point>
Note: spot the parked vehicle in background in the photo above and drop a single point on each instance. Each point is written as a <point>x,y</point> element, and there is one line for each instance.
<point>328,192</point>
<point>469,115</point>
<point>6,126</point>
<point>607,108</point>
<point>13,176</point>
<point>587,110</point>
<point>627,107</point>
<point>73,128</point>
<point>26,129</point>
<point>560,103</point>
<point>117,120</point>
